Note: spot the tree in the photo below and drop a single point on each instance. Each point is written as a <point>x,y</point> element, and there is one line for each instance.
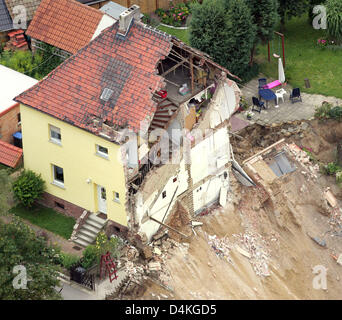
<point>265,17</point>
<point>28,188</point>
<point>5,191</point>
<point>225,31</point>
<point>208,29</point>
<point>241,36</point>
<point>291,8</point>
<point>334,19</point>
<point>19,246</point>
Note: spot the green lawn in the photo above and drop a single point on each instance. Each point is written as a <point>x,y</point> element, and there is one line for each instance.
<point>181,34</point>
<point>304,59</point>
<point>47,218</point>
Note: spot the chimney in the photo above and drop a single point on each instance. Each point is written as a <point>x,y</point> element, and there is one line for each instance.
<point>126,18</point>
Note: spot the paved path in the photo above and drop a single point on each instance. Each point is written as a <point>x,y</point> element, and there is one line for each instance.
<point>286,111</point>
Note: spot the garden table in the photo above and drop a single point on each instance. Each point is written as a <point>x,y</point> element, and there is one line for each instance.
<point>267,95</point>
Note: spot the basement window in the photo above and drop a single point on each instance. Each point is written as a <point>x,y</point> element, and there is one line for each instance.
<point>58,176</point>
<point>59,205</point>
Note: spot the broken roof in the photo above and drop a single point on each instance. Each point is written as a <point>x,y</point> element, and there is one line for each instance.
<point>125,65</point>
<point>65,24</point>
<point>5,18</point>
<point>30,6</point>
<point>9,154</point>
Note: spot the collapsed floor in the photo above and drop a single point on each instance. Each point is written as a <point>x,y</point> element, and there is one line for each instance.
<point>257,247</point>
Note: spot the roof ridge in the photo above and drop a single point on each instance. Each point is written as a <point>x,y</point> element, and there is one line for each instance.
<point>81,4</point>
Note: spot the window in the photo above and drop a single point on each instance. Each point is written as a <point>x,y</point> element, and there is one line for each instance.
<point>19,118</point>
<point>58,175</point>
<point>55,134</point>
<point>164,194</point>
<point>116,197</point>
<point>101,151</point>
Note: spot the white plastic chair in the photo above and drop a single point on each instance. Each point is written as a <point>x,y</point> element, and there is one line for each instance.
<point>280,94</point>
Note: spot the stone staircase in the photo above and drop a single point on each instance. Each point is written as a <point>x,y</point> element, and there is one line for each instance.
<point>89,230</point>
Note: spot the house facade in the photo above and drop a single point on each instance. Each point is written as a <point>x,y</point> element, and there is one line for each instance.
<point>107,129</point>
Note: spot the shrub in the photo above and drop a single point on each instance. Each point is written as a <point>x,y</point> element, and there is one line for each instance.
<point>339,177</point>
<point>323,111</point>
<point>332,168</point>
<point>334,19</point>
<point>104,245</point>
<point>68,260</point>
<point>28,188</point>
<point>336,113</point>
<point>90,257</point>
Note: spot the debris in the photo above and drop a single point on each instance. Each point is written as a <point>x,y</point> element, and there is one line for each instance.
<point>147,252</point>
<point>157,251</point>
<point>196,223</point>
<point>243,252</point>
<point>329,196</point>
<point>339,260</point>
<point>319,241</point>
<point>154,266</point>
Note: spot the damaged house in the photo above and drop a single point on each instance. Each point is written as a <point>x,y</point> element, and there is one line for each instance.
<point>131,125</point>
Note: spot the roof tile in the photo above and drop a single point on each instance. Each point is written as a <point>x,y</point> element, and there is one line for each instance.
<point>74,88</point>
<point>65,24</point>
<point>9,154</point>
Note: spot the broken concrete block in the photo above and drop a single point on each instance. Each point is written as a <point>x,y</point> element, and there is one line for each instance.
<point>147,252</point>
<point>328,195</point>
<point>154,266</point>
<point>339,259</point>
<point>157,251</point>
<point>196,223</point>
<point>243,252</point>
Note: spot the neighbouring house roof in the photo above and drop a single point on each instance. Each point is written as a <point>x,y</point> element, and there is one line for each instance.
<point>5,18</point>
<point>124,66</point>
<point>30,6</point>
<point>9,154</point>
<point>12,83</point>
<point>65,24</point>
<point>114,9</point>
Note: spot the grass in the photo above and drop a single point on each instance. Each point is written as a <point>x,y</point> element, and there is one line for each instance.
<point>46,218</point>
<point>304,59</point>
<point>181,34</point>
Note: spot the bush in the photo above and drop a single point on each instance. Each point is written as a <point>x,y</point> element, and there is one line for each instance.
<point>339,177</point>
<point>67,260</point>
<point>323,111</point>
<point>175,15</point>
<point>336,113</point>
<point>28,188</point>
<point>90,257</point>
<point>334,19</point>
<point>332,168</point>
<point>104,245</point>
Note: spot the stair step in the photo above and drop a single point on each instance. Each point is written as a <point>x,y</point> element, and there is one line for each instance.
<point>97,219</point>
<point>94,224</point>
<point>88,233</point>
<point>91,228</point>
<point>81,243</point>
<point>85,238</point>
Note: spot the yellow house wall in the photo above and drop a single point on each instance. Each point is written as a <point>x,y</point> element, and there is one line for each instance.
<point>77,156</point>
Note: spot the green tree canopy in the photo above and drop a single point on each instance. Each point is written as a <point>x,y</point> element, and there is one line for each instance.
<point>291,8</point>
<point>225,31</point>
<point>20,246</point>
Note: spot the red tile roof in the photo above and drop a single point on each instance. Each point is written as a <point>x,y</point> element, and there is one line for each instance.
<point>127,66</point>
<point>65,24</point>
<point>9,155</point>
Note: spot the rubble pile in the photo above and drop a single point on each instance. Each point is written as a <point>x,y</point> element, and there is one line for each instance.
<point>221,247</point>
<point>303,158</point>
<point>256,248</point>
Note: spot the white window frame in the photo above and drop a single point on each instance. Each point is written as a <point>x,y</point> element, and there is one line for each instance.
<point>100,153</point>
<point>56,130</point>
<point>54,180</point>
